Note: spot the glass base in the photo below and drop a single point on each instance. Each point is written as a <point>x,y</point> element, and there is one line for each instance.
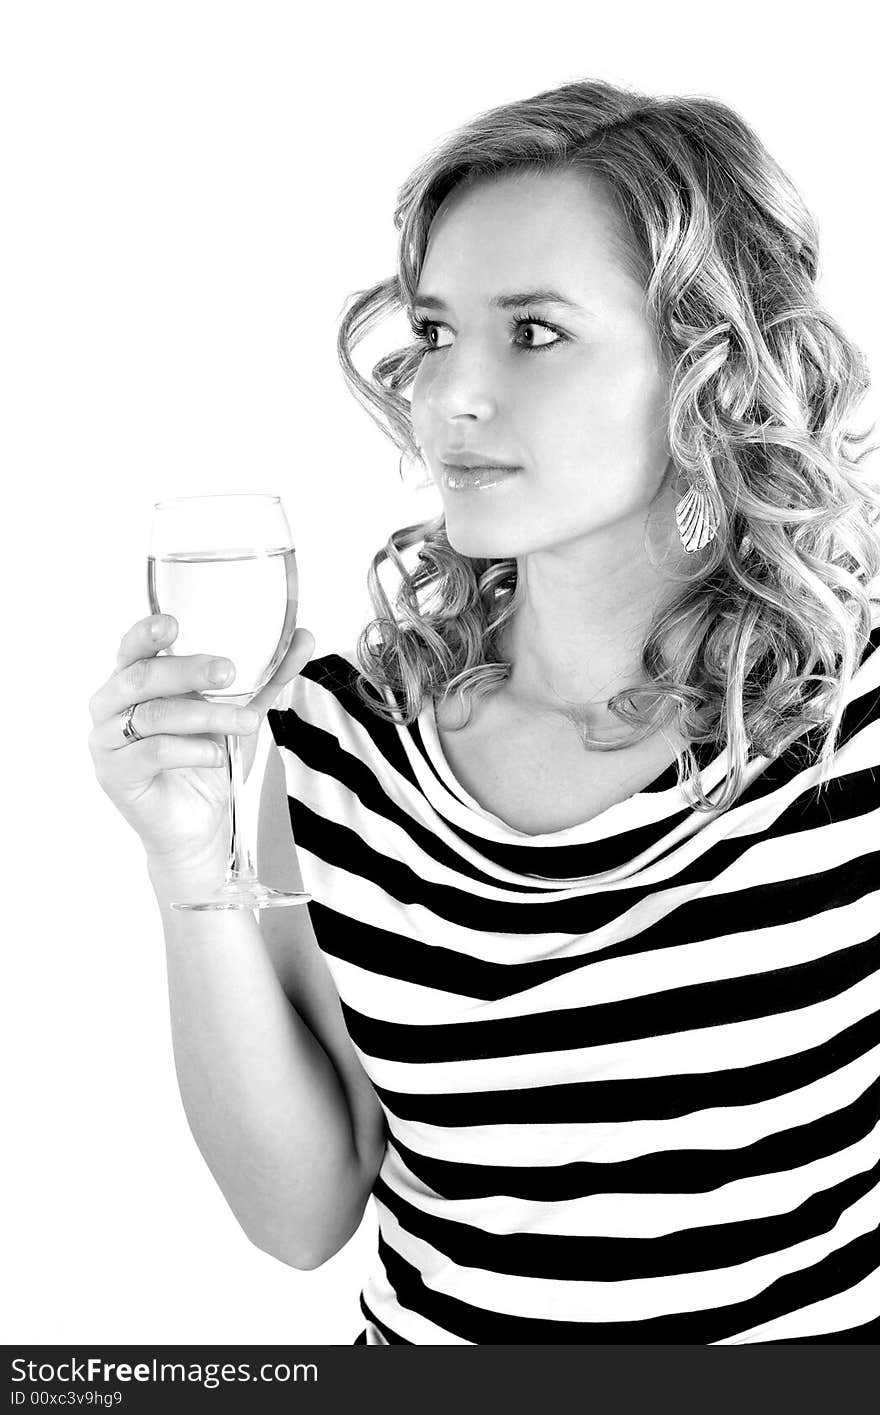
<point>251,895</point>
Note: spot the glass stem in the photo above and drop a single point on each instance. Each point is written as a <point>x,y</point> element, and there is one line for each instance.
<point>240,868</point>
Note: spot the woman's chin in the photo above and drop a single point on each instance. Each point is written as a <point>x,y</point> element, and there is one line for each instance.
<point>478,544</point>
<point>478,536</point>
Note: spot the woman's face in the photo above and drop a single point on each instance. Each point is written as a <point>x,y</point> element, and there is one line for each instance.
<point>572,398</point>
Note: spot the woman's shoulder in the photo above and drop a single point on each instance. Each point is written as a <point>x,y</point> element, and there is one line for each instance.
<point>326,719</point>
<point>866,678</point>
<point>314,711</point>
<point>856,751</point>
<point>329,695</point>
<point>327,678</point>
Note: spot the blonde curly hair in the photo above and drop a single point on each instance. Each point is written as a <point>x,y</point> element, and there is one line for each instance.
<point>773,617</point>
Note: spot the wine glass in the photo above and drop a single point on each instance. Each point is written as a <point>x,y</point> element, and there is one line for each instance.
<point>225,567</point>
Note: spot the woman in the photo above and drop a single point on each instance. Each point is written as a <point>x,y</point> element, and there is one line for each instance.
<point>587,994</point>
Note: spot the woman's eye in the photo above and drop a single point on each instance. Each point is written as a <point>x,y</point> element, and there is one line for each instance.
<point>430,331</point>
<point>529,334</point>
<point>542,329</point>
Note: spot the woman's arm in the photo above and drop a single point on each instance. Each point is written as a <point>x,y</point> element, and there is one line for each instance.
<point>276,1099</point>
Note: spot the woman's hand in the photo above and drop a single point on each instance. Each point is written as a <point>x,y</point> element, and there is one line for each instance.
<point>171,787</point>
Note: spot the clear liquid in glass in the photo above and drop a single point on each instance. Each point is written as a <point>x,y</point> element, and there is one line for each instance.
<point>233,604</point>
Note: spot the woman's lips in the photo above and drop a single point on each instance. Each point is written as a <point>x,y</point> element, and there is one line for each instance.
<point>475,478</point>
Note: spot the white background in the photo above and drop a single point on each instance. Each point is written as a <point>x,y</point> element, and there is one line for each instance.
<point>190,192</point>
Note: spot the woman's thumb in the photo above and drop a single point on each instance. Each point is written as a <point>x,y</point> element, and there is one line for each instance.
<point>302,647</point>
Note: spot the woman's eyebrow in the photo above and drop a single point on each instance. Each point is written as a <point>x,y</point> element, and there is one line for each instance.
<point>509,300</point>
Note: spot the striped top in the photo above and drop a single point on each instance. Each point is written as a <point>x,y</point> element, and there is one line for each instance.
<point>631,1068</point>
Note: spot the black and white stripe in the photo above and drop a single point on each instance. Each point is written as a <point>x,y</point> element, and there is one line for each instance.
<point>631,1069</point>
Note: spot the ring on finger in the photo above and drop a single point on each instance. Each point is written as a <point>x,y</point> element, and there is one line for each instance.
<point>129,731</point>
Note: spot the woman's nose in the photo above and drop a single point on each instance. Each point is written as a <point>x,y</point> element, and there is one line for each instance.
<point>463,384</point>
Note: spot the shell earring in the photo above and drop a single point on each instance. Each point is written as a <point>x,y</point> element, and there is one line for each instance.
<point>695,517</point>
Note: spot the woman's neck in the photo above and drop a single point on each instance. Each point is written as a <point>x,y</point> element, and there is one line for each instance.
<point>577,635</point>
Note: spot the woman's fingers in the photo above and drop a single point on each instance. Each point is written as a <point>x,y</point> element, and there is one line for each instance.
<point>146,637</point>
<point>166,691</point>
<point>154,677</point>
<point>186,716</point>
<point>141,761</point>
<point>143,640</point>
